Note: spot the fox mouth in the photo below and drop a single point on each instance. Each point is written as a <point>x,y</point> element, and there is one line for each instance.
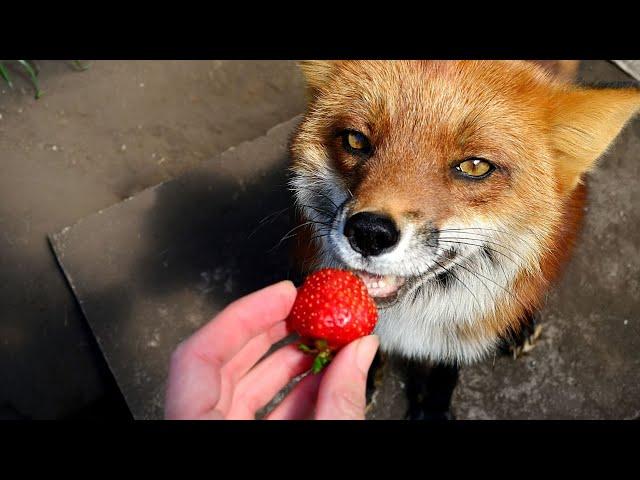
<point>387,289</point>
<point>382,288</point>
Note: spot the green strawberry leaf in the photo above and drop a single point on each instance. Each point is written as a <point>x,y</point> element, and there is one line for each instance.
<point>322,360</point>
<point>318,364</point>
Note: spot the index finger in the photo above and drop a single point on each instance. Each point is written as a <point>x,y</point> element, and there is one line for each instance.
<point>220,339</point>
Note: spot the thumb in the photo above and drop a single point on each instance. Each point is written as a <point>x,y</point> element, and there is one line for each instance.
<point>342,390</point>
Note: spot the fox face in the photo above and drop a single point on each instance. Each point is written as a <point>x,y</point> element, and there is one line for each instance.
<point>454,189</point>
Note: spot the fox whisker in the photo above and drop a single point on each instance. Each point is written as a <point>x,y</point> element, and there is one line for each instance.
<point>269,218</point>
<point>322,211</point>
<point>297,227</point>
<point>319,192</point>
<point>477,275</point>
<point>464,284</point>
<point>449,239</point>
<point>465,231</point>
<point>490,249</point>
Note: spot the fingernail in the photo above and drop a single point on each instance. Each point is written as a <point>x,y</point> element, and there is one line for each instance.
<point>283,283</point>
<point>366,351</point>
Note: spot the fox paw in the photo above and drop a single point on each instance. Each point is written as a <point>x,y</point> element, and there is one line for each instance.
<point>524,343</point>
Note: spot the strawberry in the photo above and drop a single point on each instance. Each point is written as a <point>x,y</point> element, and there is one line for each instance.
<point>332,309</point>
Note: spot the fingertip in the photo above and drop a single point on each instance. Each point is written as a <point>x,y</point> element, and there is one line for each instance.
<point>366,351</point>
<point>287,287</point>
<point>287,292</point>
<point>280,295</point>
<point>360,352</point>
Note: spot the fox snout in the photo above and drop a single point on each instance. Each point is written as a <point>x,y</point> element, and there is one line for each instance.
<point>371,234</point>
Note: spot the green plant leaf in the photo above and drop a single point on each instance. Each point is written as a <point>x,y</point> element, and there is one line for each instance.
<point>79,65</point>
<point>32,74</point>
<point>34,66</point>
<point>5,75</point>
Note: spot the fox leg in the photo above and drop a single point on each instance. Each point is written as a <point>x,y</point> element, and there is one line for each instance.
<point>524,340</point>
<point>429,389</point>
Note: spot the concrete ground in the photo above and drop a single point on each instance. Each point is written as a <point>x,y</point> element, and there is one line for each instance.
<point>72,153</point>
<point>93,139</point>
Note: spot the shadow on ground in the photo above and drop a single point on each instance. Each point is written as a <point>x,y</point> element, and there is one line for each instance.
<point>151,270</point>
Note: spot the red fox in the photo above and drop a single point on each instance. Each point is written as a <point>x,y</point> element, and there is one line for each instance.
<point>454,189</point>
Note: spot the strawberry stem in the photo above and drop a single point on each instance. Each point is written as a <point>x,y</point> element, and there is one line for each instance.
<point>322,345</point>
<point>321,361</point>
<point>322,352</point>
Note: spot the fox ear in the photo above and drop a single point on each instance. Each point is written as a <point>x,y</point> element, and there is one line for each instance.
<point>317,73</point>
<point>585,122</point>
<point>560,69</point>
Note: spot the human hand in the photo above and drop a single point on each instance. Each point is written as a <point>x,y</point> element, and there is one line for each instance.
<point>213,374</point>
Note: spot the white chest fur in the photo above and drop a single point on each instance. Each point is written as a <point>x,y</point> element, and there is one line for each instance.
<point>425,324</point>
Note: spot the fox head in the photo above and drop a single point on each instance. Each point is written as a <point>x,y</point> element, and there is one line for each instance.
<point>445,185</point>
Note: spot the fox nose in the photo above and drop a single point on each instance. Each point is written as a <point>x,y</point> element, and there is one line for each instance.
<point>371,234</point>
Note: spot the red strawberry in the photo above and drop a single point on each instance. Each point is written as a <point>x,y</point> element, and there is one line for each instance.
<point>332,309</point>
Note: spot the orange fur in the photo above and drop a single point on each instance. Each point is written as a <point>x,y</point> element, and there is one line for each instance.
<point>542,132</point>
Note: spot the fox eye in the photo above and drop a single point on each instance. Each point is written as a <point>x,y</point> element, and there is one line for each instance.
<point>356,142</point>
<point>475,168</point>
